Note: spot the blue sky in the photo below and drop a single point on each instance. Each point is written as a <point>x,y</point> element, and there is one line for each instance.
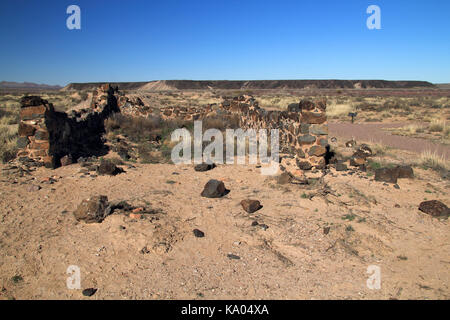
<point>146,40</point>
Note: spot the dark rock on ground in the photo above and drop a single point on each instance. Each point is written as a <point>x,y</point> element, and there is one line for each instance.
<point>89,292</point>
<point>202,167</point>
<point>386,175</point>
<point>93,210</point>
<point>434,208</point>
<point>109,168</point>
<point>66,160</point>
<point>214,189</point>
<point>405,172</point>
<point>341,167</point>
<point>198,233</point>
<point>233,256</point>
<point>251,206</point>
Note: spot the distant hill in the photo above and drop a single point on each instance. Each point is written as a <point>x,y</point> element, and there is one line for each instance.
<point>443,85</point>
<point>9,85</point>
<point>257,84</point>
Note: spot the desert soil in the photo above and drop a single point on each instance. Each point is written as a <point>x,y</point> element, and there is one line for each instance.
<point>158,256</point>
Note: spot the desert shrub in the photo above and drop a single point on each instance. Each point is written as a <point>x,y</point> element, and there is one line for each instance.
<point>135,128</point>
<point>8,140</point>
<point>434,161</point>
<point>437,126</point>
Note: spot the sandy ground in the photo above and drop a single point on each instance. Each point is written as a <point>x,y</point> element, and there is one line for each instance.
<point>374,132</point>
<point>292,259</point>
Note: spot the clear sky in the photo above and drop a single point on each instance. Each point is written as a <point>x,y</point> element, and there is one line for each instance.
<point>142,40</point>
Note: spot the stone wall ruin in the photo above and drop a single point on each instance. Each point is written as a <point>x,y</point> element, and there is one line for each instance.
<point>46,135</point>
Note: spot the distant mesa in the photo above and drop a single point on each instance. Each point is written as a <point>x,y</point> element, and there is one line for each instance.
<point>164,85</point>
<point>5,85</point>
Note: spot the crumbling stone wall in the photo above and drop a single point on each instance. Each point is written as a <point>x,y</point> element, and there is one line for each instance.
<point>46,135</point>
<point>303,128</point>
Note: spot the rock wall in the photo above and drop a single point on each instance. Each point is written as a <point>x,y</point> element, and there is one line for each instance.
<point>46,135</point>
<point>303,128</point>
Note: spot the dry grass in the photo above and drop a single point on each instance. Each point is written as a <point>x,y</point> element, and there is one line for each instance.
<point>8,141</point>
<point>433,161</point>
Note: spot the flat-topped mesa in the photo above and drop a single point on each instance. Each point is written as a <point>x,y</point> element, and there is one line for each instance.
<point>46,135</point>
<point>303,129</point>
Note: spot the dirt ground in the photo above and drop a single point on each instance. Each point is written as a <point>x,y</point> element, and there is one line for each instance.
<point>374,132</point>
<point>158,256</point>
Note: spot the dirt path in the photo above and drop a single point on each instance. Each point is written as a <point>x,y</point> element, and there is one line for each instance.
<point>374,132</point>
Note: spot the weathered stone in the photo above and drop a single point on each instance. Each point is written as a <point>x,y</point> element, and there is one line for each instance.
<point>22,142</point>
<point>108,168</point>
<point>92,210</point>
<point>323,142</point>
<point>317,151</point>
<point>214,189</point>
<point>341,167</point>
<point>306,139</point>
<point>318,129</point>
<point>405,172</point>
<point>304,165</point>
<point>25,130</point>
<point>251,206</point>
<point>300,153</point>
<point>434,208</point>
<point>350,144</point>
<point>198,233</point>
<point>202,167</point>
<point>304,128</point>
<point>386,175</point>
<point>40,145</point>
<point>42,135</point>
<point>313,117</point>
<point>357,161</point>
<point>66,160</point>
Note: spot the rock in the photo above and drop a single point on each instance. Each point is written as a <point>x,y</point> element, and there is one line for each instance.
<point>405,172</point>
<point>263,226</point>
<point>396,186</point>
<point>341,167</point>
<point>364,150</point>
<point>304,165</point>
<point>202,167</point>
<point>284,178</point>
<point>326,230</point>
<point>350,144</point>
<point>93,210</point>
<point>198,233</point>
<point>251,206</point>
<point>386,175</point>
<point>34,188</point>
<point>66,160</point>
<point>255,223</point>
<point>123,154</point>
<point>22,142</point>
<point>357,161</point>
<point>109,168</point>
<point>214,189</point>
<point>135,216</point>
<point>89,292</point>
<point>233,256</point>
<point>434,208</point>
<point>317,151</point>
